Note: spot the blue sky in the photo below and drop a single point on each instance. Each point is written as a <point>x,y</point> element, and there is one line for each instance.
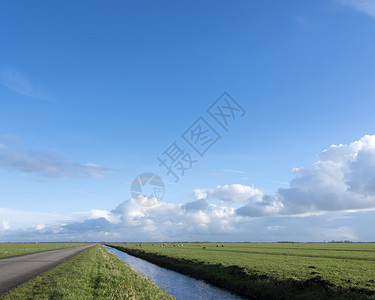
<point>91,93</point>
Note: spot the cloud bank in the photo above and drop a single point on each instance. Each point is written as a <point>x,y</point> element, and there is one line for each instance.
<point>334,199</point>
<point>342,179</point>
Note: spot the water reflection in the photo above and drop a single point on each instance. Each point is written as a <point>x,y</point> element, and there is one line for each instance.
<point>176,284</point>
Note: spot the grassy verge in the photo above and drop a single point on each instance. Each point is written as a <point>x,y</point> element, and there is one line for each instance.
<point>18,249</point>
<point>213,265</point>
<point>93,274</point>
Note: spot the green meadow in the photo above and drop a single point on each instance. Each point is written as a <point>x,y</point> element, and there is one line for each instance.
<point>272,270</point>
<point>93,274</point>
<point>25,248</point>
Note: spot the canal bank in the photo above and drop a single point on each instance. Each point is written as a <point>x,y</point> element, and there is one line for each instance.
<point>176,284</point>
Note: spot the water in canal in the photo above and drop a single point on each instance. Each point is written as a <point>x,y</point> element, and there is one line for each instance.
<point>176,284</point>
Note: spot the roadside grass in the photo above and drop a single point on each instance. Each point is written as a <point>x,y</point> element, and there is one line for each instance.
<point>93,274</point>
<point>274,271</point>
<point>25,248</point>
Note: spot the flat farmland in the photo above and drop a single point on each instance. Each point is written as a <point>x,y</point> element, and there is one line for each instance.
<point>94,273</point>
<point>9,249</point>
<point>274,270</point>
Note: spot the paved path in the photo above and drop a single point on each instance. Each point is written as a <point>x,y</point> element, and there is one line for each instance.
<point>18,269</point>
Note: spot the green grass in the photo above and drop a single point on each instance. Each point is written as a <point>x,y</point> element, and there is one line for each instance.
<point>18,249</point>
<point>277,271</point>
<point>93,274</point>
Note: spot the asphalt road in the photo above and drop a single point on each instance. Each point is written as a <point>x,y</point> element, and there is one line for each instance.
<point>18,269</point>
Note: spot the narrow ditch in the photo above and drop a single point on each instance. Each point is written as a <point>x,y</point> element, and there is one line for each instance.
<point>176,284</point>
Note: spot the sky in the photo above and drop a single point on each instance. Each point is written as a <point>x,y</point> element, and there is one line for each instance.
<point>254,119</point>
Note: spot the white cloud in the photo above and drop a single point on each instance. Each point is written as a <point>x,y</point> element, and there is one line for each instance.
<point>25,225</point>
<point>168,221</point>
<point>95,214</point>
<point>146,201</point>
<point>17,219</point>
<point>40,227</point>
<point>236,193</point>
<point>342,179</point>
<point>234,171</point>
<point>4,225</point>
<point>47,164</point>
<point>200,204</point>
<point>22,84</point>
<point>174,221</point>
<point>365,6</point>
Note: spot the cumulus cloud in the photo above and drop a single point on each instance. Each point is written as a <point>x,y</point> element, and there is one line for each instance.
<point>16,225</point>
<point>4,225</point>
<point>46,164</point>
<point>96,224</point>
<point>146,201</point>
<point>343,178</point>
<point>340,185</point>
<point>95,214</point>
<point>365,6</point>
<point>196,205</point>
<point>131,221</point>
<point>231,193</point>
<point>171,222</point>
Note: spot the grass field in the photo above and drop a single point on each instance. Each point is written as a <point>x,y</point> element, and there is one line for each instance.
<point>18,249</point>
<point>93,274</point>
<point>282,270</point>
